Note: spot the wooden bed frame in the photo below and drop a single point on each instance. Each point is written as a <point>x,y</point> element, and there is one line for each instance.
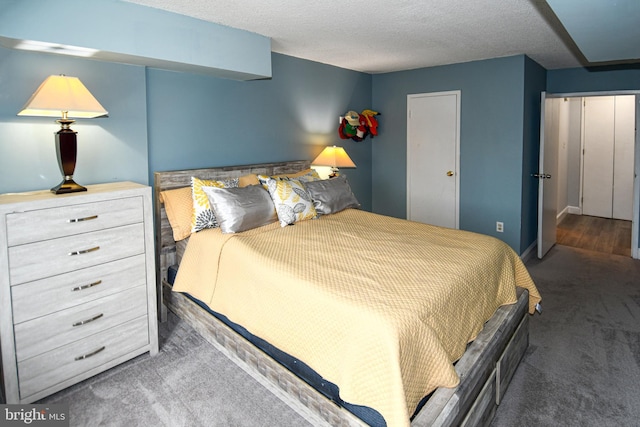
<point>485,369</point>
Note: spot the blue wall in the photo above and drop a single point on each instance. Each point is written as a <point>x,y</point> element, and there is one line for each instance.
<point>120,31</point>
<point>598,79</point>
<point>109,149</point>
<point>199,121</point>
<point>534,83</point>
<point>161,120</point>
<point>492,120</point>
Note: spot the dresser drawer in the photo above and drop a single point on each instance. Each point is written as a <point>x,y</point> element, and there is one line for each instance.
<point>38,260</point>
<point>63,327</point>
<point>48,369</point>
<point>41,297</point>
<point>45,224</point>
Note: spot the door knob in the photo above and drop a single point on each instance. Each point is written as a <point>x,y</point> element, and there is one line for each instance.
<point>449,173</point>
<point>541,175</point>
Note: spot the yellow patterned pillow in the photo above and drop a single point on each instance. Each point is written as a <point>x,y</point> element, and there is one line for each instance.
<point>203,216</point>
<point>291,200</point>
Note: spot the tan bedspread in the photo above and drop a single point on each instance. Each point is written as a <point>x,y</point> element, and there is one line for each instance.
<point>380,306</point>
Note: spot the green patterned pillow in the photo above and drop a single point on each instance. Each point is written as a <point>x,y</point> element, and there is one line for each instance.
<point>291,200</point>
<point>203,216</point>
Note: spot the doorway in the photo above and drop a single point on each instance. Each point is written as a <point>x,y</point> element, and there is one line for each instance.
<point>433,147</point>
<point>611,236</point>
<point>581,165</point>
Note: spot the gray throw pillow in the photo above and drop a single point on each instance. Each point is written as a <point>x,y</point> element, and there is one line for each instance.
<point>331,195</point>
<point>241,209</point>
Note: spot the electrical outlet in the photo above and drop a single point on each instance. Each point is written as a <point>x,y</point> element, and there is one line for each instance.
<point>499,227</point>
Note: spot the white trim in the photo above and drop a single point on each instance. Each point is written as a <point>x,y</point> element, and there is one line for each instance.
<point>582,125</point>
<point>568,210</point>
<point>560,216</point>
<point>543,112</point>
<point>635,251</point>
<point>574,210</point>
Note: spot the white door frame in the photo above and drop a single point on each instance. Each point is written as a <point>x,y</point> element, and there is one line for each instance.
<point>635,251</point>
<point>547,178</point>
<point>456,172</point>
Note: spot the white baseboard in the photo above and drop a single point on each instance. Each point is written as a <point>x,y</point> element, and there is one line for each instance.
<point>574,210</point>
<point>561,215</point>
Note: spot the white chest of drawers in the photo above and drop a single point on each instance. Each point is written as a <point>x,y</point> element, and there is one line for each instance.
<point>77,286</point>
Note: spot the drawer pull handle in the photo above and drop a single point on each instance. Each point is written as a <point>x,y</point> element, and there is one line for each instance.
<point>83,322</point>
<point>93,353</point>
<point>87,218</point>
<point>84,251</point>
<point>90,285</point>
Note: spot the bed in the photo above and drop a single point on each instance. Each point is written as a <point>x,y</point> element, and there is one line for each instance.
<point>458,383</point>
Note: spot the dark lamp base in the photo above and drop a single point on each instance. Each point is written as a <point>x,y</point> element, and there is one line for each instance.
<point>68,186</point>
<point>66,148</point>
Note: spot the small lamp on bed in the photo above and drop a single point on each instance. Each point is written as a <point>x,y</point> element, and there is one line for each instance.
<point>64,97</point>
<point>334,157</point>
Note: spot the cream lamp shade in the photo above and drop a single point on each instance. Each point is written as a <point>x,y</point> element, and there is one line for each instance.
<point>334,157</point>
<point>59,94</point>
<point>67,98</point>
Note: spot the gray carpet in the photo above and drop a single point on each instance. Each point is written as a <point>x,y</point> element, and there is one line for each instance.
<point>582,367</point>
<point>188,383</point>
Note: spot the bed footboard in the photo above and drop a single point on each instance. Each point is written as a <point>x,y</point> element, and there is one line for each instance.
<point>485,369</point>
<point>301,397</point>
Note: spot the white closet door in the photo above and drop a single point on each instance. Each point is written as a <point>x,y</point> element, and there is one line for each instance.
<point>597,178</point>
<point>433,129</point>
<point>623,157</point>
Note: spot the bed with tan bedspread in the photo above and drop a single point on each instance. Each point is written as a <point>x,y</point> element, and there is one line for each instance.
<point>387,333</point>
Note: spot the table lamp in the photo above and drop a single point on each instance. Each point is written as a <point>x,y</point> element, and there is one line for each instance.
<point>65,97</point>
<point>334,157</point>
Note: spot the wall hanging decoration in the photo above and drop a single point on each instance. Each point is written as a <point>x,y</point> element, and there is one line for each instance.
<point>358,126</point>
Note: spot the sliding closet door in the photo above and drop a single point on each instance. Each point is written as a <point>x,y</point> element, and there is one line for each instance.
<point>608,156</point>
<point>597,178</point>
<point>623,157</point>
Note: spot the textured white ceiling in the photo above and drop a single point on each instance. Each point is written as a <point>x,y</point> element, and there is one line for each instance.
<point>377,36</point>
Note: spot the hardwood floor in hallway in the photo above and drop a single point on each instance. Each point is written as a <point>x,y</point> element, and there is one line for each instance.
<point>612,236</point>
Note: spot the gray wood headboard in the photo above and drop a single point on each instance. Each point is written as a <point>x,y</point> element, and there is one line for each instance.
<point>165,245</point>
